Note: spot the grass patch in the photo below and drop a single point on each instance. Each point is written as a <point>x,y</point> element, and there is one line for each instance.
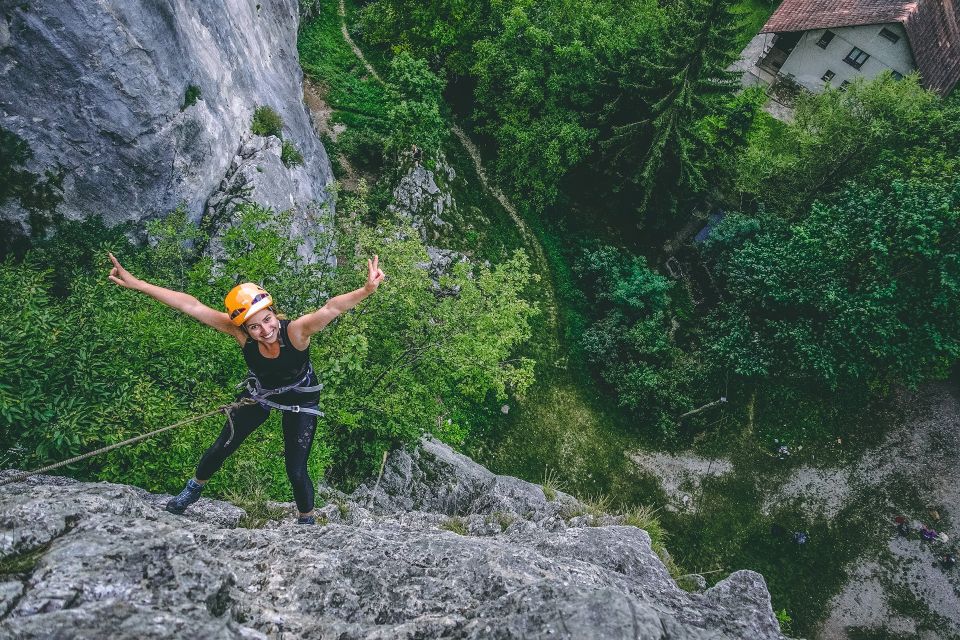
<point>644,517</point>
<point>255,504</point>
<point>551,484</point>
<point>22,564</point>
<point>503,519</point>
<point>455,524</point>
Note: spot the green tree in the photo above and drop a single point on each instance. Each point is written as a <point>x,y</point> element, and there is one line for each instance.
<point>414,113</point>
<point>872,132</point>
<point>865,290</point>
<point>659,135</point>
<point>443,32</point>
<point>540,81</point>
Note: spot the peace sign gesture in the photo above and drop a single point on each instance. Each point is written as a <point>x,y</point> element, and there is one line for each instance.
<point>374,274</point>
<point>121,276</point>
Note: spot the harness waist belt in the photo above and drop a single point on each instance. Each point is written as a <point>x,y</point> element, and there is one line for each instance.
<point>260,394</point>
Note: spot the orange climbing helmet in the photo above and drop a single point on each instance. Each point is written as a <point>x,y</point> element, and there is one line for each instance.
<point>244,300</point>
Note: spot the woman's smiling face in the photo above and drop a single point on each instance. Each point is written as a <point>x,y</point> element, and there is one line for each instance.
<point>263,326</point>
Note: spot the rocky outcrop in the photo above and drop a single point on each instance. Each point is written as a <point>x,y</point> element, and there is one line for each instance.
<point>439,548</point>
<point>108,92</point>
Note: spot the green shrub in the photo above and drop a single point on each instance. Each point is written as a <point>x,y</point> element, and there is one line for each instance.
<point>289,155</point>
<point>190,96</point>
<point>267,122</point>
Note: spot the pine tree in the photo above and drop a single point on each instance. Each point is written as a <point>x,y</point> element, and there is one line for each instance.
<point>657,149</point>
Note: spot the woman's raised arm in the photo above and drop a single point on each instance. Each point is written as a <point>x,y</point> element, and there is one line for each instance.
<point>178,300</point>
<point>305,326</point>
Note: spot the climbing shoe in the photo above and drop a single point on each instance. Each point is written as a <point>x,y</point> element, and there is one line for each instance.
<point>189,495</point>
<point>306,520</point>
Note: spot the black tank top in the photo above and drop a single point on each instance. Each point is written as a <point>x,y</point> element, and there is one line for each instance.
<point>287,368</point>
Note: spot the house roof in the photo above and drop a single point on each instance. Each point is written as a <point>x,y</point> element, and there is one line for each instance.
<point>932,26</point>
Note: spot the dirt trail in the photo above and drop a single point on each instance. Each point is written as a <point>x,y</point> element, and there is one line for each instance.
<point>342,11</point>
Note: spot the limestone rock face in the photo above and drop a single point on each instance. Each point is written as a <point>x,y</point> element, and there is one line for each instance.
<point>105,560</point>
<point>99,89</point>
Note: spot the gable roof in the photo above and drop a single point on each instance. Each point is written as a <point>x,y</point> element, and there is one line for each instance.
<point>932,26</point>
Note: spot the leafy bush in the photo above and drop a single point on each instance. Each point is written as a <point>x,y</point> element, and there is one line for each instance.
<point>190,96</point>
<point>267,122</point>
<point>289,154</point>
<point>872,132</point>
<point>863,291</point>
<point>413,116</point>
<point>631,343</point>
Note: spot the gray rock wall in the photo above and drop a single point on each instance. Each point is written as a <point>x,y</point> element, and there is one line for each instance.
<point>385,562</point>
<point>98,89</point>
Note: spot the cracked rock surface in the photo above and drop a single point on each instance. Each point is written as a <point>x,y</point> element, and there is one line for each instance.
<point>107,561</point>
<point>99,90</point>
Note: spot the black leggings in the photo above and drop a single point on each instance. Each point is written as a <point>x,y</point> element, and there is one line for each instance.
<point>298,432</point>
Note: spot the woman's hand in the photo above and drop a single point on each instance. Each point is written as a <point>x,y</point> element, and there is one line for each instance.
<point>374,274</point>
<point>121,276</point>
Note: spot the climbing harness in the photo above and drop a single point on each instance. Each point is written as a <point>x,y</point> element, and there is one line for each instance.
<point>259,394</point>
<point>225,409</point>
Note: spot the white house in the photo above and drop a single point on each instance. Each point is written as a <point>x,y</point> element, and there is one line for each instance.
<point>829,42</point>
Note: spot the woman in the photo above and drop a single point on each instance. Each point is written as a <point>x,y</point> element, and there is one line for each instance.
<point>277,351</point>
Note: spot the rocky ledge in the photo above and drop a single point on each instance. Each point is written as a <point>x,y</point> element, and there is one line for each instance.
<point>439,548</point>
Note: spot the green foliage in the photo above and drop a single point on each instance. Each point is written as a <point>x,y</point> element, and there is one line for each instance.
<point>862,291</point>
<point>267,122</point>
<point>666,125</point>
<point>289,154</point>
<point>190,96</point>
<point>582,99</point>
<point>784,620</point>
<point>443,31</point>
<point>429,365</point>
<point>872,132</point>
<point>416,96</point>
<point>88,364</point>
<point>631,343</point>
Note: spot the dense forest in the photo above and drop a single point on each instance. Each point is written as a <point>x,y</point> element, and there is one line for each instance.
<point>828,279</point>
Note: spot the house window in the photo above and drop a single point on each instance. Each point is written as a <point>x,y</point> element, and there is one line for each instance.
<point>896,75</point>
<point>889,35</point>
<point>856,58</point>
<point>825,39</point>
<point>844,85</point>
<point>828,76</point>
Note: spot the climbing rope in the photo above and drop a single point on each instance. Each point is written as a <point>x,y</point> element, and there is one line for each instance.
<point>224,409</point>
